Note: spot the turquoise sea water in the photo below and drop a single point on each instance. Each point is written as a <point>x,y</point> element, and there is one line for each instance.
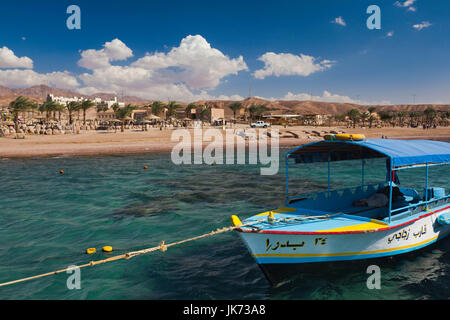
<point>47,220</point>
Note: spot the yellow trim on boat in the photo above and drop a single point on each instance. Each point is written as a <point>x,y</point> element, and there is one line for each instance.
<point>306,255</point>
<point>279,210</point>
<point>372,225</point>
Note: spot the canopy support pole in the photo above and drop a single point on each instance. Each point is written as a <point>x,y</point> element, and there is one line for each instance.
<point>362,172</point>
<point>426,184</point>
<point>390,189</point>
<point>329,178</point>
<point>287,180</point>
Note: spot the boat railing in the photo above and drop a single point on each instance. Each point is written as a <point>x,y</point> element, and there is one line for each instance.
<point>421,203</point>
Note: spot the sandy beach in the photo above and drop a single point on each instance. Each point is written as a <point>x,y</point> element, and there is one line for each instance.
<point>132,142</point>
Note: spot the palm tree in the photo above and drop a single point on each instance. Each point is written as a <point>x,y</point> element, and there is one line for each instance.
<point>72,107</point>
<point>371,119</point>
<point>205,114</point>
<point>102,107</point>
<point>354,115</point>
<point>371,109</point>
<point>123,113</point>
<point>252,110</point>
<point>21,104</point>
<point>413,116</point>
<point>364,116</point>
<point>430,115</point>
<point>188,109</point>
<point>235,107</point>
<point>157,107</point>
<point>59,108</point>
<point>171,109</point>
<point>47,107</point>
<point>85,106</point>
<point>401,115</point>
<point>385,116</point>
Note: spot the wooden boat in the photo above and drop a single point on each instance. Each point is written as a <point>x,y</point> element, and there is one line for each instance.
<point>327,227</point>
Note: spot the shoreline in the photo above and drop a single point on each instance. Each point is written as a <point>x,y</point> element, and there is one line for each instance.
<point>97,143</point>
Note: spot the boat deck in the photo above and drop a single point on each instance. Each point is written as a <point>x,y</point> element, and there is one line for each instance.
<point>310,220</point>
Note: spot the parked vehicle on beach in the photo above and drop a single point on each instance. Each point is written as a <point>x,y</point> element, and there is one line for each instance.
<point>260,124</point>
<point>363,222</point>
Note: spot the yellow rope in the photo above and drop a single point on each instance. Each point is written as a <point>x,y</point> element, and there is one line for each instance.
<point>162,247</point>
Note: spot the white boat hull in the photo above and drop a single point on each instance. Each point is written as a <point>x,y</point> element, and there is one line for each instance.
<point>291,247</point>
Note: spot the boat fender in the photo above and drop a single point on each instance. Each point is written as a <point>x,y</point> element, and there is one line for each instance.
<point>235,221</point>
<point>270,217</point>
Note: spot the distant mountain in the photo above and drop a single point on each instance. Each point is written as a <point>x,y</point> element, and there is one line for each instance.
<point>40,93</point>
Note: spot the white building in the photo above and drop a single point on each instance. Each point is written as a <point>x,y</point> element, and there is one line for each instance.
<point>65,101</point>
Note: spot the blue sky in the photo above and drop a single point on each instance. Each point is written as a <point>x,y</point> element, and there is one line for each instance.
<point>349,62</point>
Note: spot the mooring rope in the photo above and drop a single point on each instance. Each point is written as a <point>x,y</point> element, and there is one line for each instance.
<point>162,247</point>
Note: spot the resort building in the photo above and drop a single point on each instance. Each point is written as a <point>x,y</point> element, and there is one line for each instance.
<point>66,100</point>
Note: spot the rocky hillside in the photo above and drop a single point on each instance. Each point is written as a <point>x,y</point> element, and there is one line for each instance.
<point>39,93</point>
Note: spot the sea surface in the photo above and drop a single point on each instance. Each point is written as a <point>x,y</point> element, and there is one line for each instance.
<point>48,220</point>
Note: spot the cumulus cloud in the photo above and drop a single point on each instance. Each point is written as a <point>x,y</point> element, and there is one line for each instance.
<point>340,21</point>
<point>330,97</point>
<point>423,25</point>
<point>193,62</point>
<point>285,64</point>
<point>9,60</point>
<point>28,78</point>
<point>115,50</point>
<point>184,73</point>
<point>17,73</point>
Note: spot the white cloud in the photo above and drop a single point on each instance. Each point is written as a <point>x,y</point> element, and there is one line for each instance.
<point>423,25</point>
<point>28,78</point>
<point>329,97</point>
<point>9,60</point>
<point>283,64</point>
<point>181,74</point>
<point>390,34</point>
<point>340,21</point>
<point>194,62</point>
<point>113,51</point>
<point>406,4</point>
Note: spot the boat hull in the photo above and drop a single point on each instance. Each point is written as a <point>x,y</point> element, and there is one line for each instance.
<point>273,250</point>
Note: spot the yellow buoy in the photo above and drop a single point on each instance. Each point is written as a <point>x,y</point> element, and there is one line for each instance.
<point>107,249</point>
<point>345,137</point>
<point>61,171</point>
<point>235,221</point>
<point>146,167</point>
<point>91,251</point>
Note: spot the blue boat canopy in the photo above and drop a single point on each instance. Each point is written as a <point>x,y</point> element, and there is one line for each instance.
<point>402,153</point>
